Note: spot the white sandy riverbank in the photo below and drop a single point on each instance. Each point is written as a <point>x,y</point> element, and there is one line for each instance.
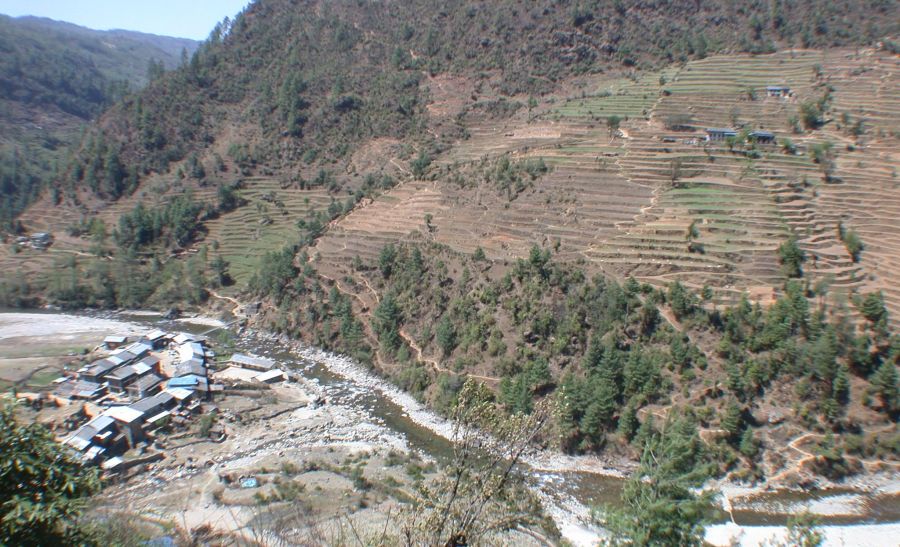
<point>53,324</point>
<point>862,535</point>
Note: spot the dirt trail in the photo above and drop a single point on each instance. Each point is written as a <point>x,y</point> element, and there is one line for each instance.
<point>435,365</point>
<point>237,305</point>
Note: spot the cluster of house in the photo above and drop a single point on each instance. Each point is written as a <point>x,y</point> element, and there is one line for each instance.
<point>132,394</point>
<point>140,386</point>
<point>38,241</point>
<point>719,134</point>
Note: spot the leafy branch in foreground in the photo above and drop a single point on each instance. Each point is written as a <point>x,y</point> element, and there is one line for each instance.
<point>481,492</point>
<point>41,486</point>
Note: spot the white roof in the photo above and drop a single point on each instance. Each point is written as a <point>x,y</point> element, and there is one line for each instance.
<point>124,414</point>
<point>112,463</point>
<point>94,452</point>
<point>270,375</point>
<point>182,337</point>
<point>261,362</point>
<point>155,335</point>
<point>179,393</point>
<point>78,443</point>
<point>159,416</point>
<point>190,350</point>
<point>141,368</point>
<point>116,339</point>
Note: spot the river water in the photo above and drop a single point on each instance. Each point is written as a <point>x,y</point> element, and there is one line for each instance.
<point>575,491</point>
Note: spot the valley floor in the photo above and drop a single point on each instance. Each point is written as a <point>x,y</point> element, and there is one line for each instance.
<point>321,450</point>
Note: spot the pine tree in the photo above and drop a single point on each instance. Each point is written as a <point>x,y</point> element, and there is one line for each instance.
<point>732,421</point>
<point>884,381</point>
<point>446,335</point>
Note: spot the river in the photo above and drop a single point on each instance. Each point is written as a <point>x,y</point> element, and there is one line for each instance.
<point>851,517</point>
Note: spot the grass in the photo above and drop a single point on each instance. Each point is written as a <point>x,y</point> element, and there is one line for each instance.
<point>243,240</point>
<point>43,350</point>
<point>43,378</point>
<point>620,97</point>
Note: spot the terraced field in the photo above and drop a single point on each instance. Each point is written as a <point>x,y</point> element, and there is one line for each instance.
<point>866,195</point>
<point>44,216</point>
<point>266,223</point>
<point>625,203</point>
<point>626,98</point>
<point>653,200</point>
<point>727,91</point>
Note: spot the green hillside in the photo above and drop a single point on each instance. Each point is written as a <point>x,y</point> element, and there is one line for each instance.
<point>55,77</point>
<point>526,195</point>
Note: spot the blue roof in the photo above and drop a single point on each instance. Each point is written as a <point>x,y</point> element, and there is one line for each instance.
<point>184,381</point>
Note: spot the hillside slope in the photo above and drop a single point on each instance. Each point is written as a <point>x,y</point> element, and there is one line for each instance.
<point>528,196</point>
<point>54,78</point>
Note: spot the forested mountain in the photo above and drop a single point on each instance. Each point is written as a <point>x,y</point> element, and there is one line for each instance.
<point>56,76</point>
<point>525,193</point>
<point>317,77</point>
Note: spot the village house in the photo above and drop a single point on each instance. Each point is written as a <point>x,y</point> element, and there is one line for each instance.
<point>763,137</point>
<point>778,91</point>
<point>129,422</point>
<point>41,240</point>
<point>157,339</point>
<point>191,350</point>
<point>182,396</point>
<point>717,134</point>
<point>120,378</point>
<point>147,365</point>
<point>144,386</point>
<point>151,406</point>
<point>98,431</point>
<point>271,377</point>
<point>254,363</point>
<point>191,366</point>
<point>114,342</point>
<point>98,370</point>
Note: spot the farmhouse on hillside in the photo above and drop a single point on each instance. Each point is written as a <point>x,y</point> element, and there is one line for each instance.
<point>778,91</point>
<point>717,134</point>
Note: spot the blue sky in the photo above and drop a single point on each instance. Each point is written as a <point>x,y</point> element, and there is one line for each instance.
<point>180,18</point>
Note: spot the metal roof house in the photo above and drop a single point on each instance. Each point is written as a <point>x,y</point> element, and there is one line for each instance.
<point>129,421</point>
<point>191,350</point>
<point>157,338</point>
<point>714,134</point>
<point>121,377</point>
<point>113,342</point>
<point>98,369</point>
<point>183,337</point>
<point>763,137</point>
<point>156,404</point>
<point>192,366</point>
<point>180,394</point>
<point>778,91</point>
<point>191,381</point>
<point>256,363</point>
<point>87,434</point>
<point>270,377</point>
<point>122,357</point>
<point>144,386</point>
